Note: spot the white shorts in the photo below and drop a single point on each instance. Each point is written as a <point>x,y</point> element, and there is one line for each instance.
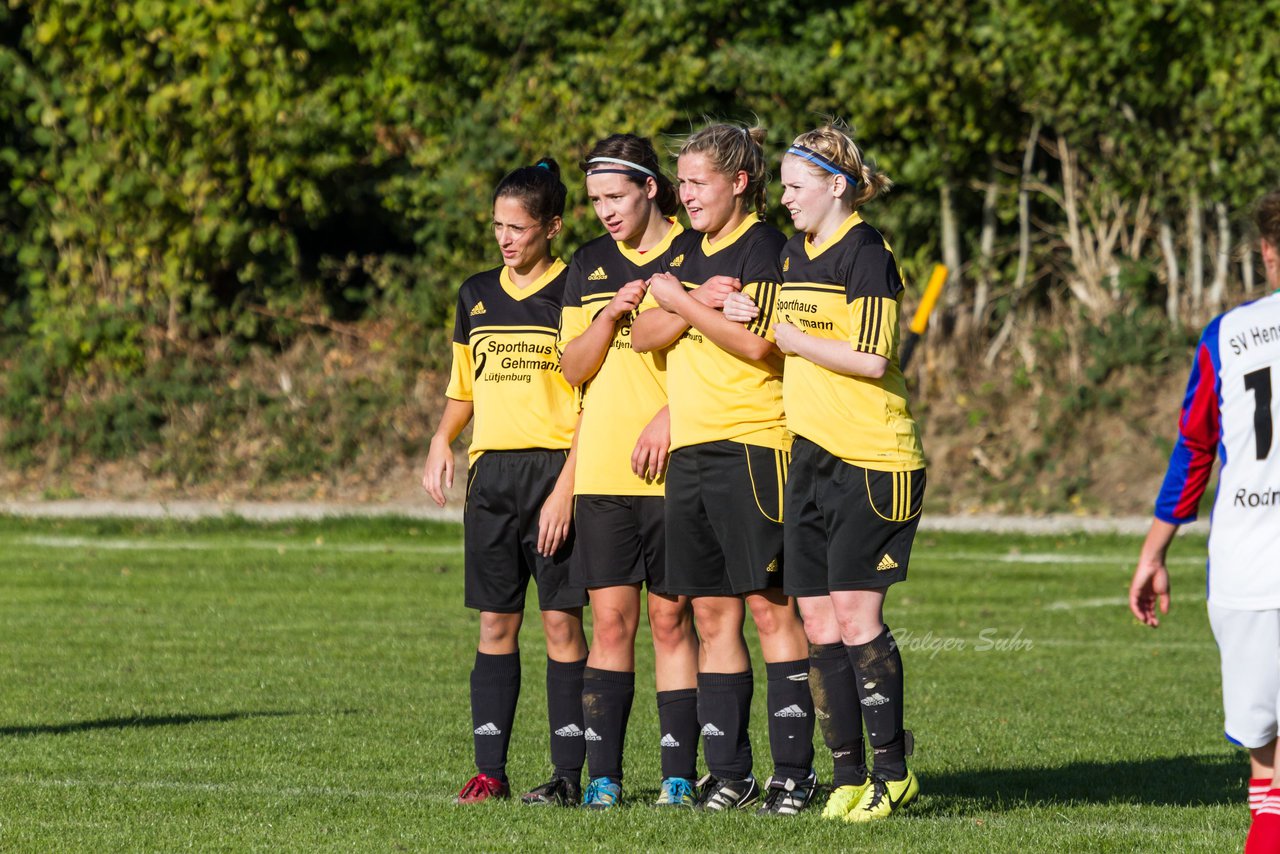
<point>1249,645</point>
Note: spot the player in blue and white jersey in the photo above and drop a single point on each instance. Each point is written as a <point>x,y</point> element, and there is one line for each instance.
<point>1229,414</point>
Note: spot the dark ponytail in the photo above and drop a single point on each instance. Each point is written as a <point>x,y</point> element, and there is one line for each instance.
<point>637,150</point>
<point>538,188</point>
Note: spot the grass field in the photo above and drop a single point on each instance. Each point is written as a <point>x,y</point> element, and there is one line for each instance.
<point>227,686</point>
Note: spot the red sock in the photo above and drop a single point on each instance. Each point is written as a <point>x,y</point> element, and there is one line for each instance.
<point>1264,833</point>
<point>1258,788</point>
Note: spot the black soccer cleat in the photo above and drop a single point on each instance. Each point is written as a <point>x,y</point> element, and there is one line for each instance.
<point>720,795</point>
<point>556,792</point>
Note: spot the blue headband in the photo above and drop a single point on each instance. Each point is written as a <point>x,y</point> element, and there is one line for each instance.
<point>816,158</point>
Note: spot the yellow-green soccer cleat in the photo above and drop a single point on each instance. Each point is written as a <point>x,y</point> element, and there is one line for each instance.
<point>884,798</point>
<point>844,798</point>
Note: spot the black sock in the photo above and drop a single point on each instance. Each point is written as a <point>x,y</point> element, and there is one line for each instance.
<point>790,719</point>
<point>495,688</point>
<point>564,713</point>
<point>724,710</point>
<point>678,719</point>
<point>606,706</point>
<point>835,701</point>
<point>878,667</point>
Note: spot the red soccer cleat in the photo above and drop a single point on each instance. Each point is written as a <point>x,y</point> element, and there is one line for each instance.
<point>482,787</point>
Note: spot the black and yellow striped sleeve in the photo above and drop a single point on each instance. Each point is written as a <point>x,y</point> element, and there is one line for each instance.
<point>873,326</point>
<point>765,296</point>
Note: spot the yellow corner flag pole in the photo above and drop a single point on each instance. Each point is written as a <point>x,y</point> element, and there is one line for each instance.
<point>920,321</point>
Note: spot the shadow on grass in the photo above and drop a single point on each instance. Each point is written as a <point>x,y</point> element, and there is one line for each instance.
<point>142,722</point>
<point>1179,781</point>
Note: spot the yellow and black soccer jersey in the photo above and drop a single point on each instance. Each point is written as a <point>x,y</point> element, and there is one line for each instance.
<point>849,289</point>
<point>630,387</point>
<point>505,362</point>
<point>716,395</point>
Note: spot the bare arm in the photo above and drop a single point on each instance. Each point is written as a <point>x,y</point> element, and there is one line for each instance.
<point>557,511</point>
<point>1150,585</point>
<point>656,328</point>
<point>724,333</point>
<point>439,468</point>
<point>830,353</point>
<point>584,355</point>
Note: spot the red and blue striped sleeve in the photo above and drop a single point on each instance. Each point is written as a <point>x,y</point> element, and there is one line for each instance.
<point>1199,436</point>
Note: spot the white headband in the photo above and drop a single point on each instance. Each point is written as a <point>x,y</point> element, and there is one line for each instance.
<point>627,163</point>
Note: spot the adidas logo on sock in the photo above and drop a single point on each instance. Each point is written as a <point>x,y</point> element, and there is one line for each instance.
<point>597,275</point>
<point>570,731</point>
<point>669,740</point>
<point>591,735</point>
<point>710,729</point>
<point>791,711</point>
<point>886,563</point>
<point>799,677</point>
<point>479,309</point>
<point>822,716</point>
<point>488,729</point>
<point>876,699</point>
<point>840,754</point>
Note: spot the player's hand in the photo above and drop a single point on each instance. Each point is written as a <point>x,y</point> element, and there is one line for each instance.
<point>439,469</point>
<point>666,289</point>
<point>554,520</point>
<point>715,290</point>
<point>649,459</point>
<point>740,308</point>
<point>787,337</point>
<point>626,300</point>
<point>1150,586</point>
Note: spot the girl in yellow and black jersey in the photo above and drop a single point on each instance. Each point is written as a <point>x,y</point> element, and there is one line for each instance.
<point>506,375</point>
<point>623,441</point>
<point>857,474</point>
<point>728,467</point>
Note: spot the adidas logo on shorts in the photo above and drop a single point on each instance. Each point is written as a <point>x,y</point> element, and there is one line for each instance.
<point>886,563</point>
<point>792,711</point>
<point>786,265</point>
<point>669,740</point>
<point>592,735</point>
<point>479,309</point>
<point>597,275</point>
<point>876,699</point>
<point>710,729</point>
<point>773,566</point>
<point>488,729</point>
<point>570,731</point>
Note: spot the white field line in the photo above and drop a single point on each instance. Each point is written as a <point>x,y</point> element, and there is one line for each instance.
<point>1050,558</point>
<point>1073,604</point>
<point>229,545</point>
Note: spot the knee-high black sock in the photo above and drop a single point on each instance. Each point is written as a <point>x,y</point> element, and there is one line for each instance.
<point>724,710</point>
<point>678,719</point>
<point>790,708</point>
<point>835,702</point>
<point>878,667</point>
<point>606,706</point>
<point>495,688</point>
<point>564,714</point>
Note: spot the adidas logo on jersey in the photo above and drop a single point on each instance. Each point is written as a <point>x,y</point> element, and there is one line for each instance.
<point>598,275</point>
<point>876,699</point>
<point>887,563</point>
<point>710,729</point>
<point>792,711</point>
<point>591,735</point>
<point>479,309</point>
<point>570,731</point>
<point>679,259</point>
<point>669,740</point>
<point>488,729</point>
